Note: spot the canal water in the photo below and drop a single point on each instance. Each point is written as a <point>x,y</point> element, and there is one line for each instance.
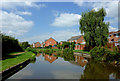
<point>47,66</point>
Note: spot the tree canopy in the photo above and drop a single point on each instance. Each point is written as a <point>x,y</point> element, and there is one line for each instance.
<point>94,28</point>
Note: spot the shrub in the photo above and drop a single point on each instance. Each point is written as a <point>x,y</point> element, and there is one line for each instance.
<point>9,44</point>
<point>99,53</point>
<point>103,54</point>
<point>34,50</point>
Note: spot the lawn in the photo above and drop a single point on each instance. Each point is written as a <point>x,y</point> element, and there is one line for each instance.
<point>16,59</point>
<point>81,51</point>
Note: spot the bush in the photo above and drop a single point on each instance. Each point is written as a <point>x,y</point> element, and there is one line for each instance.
<point>9,44</point>
<point>34,50</point>
<point>99,53</point>
<point>103,54</point>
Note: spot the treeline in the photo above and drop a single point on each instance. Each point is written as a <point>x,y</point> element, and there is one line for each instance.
<point>10,44</point>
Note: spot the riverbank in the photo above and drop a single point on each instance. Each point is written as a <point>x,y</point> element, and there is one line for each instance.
<point>15,60</point>
<point>56,50</point>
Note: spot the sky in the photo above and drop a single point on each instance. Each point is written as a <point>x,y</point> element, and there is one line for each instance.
<point>38,21</point>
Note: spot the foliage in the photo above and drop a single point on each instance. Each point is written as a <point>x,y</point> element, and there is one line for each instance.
<point>81,51</point>
<point>16,60</point>
<point>103,54</point>
<point>9,44</point>
<point>94,28</point>
<point>50,46</point>
<point>59,46</point>
<point>68,45</point>
<point>34,50</point>
<point>24,45</point>
<point>68,54</point>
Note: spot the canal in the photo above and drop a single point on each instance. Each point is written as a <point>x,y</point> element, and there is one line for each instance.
<point>52,66</point>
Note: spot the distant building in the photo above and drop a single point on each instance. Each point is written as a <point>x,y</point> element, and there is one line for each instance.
<point>77,39</point>
<point>36,45</point>
<point>80,43</point>
<point>50,41</point>
<point>114,39</point>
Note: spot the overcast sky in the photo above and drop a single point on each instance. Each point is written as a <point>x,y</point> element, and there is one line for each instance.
<point>38,21</point>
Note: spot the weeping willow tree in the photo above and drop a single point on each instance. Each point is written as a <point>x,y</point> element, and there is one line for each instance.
<point>94,28</point>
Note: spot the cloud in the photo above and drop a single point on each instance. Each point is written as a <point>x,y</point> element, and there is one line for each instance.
<point>24,13</point>
<point>112,29</point>
<point>13,24</point>
<point>66,20</point>
<point>111,8</point>
<point>15,5</point>
<point>57,35</point>
<point>66,74</point>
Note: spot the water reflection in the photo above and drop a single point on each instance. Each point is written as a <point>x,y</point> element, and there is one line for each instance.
<point>79,60</point>
<point>50,58</point>
<point>95,70</point>
<point>67,66</point>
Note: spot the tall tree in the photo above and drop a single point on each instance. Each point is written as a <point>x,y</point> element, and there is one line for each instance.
<point>94,28</point>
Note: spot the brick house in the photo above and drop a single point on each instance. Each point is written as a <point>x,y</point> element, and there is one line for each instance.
<point>79,42</point>
<point>113,39</point>
<point>36,45</point>
<point>50,41</point>
<point>77,39</point>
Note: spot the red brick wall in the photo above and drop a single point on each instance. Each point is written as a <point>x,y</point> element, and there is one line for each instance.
<point>50,42</point>
<point>80,40</point>
<point>37,45</point>
<point>80,47</point>
<point>113,37</point>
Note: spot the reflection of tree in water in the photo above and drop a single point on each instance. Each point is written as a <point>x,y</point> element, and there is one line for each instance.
<point>68,56</point>
<point>100,71</point>
<point>33,60</point>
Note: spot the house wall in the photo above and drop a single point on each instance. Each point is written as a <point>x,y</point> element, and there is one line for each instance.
<point>50,42</point>
<point>37,45</point>
<point>80,47</point>
<point>80,40</point>
<point>114,37</point>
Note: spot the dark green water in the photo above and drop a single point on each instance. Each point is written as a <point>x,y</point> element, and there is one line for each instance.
<point>66,67</point>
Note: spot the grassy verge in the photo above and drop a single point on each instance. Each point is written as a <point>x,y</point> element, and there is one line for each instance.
<point>81,51</point>
<point>7,63</point>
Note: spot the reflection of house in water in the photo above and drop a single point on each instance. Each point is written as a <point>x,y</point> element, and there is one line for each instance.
<point>79,60</point>
<point>51,58</point>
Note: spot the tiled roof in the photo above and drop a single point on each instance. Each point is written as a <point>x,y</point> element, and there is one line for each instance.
<point>74,38</point>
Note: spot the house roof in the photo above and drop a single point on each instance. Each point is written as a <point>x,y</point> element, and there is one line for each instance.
<point>37,42</point>
<point>50,38</point>
<point>114,32</point>
<point>74,37</point>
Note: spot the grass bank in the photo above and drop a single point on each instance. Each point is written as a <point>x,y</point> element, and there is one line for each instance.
<point>56,50</point>
<point>81,51</point>
<point>16,59</point>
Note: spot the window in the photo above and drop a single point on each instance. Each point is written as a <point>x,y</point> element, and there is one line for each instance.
<point>112,40</point>
<point>109,35</point>
<point>82,40</point>
<point>50,42</point>
<point>114,34</point>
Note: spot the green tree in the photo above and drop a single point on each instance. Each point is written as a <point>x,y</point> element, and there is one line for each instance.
<point>24,45</point>
<point>9,44</point>
<point>94,28</point>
